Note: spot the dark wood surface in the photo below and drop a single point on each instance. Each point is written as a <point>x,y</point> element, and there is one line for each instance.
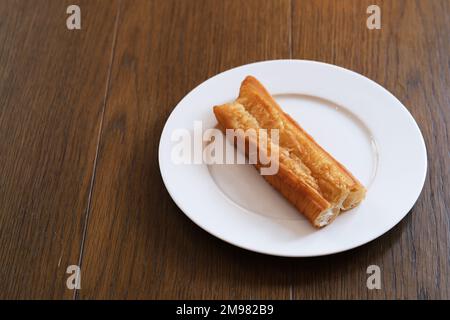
<point>81,113</point>
<point>52,94</point>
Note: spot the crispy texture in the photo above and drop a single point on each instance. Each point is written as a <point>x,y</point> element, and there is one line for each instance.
<point>310,178</point>
<point>290,180</point>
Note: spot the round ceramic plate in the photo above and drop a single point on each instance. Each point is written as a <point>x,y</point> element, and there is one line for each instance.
<point>356,120</point>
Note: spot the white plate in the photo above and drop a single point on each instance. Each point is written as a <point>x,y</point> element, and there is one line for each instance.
<point>359,122</point>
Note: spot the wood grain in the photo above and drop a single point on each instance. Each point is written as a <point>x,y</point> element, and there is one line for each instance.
<point>139,244</point>
<point>52,87</point>
<point>81,114</point>
<point>409,56</point>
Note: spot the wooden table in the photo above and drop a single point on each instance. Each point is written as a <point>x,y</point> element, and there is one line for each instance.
<point>81,112</point>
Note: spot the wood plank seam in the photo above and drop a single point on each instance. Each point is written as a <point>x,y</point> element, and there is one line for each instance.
<point>105,101</point>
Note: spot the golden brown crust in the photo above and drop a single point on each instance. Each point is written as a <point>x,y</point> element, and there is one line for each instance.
<point>337,184</point>
<point>289,181</point>
<point>308,176</point>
